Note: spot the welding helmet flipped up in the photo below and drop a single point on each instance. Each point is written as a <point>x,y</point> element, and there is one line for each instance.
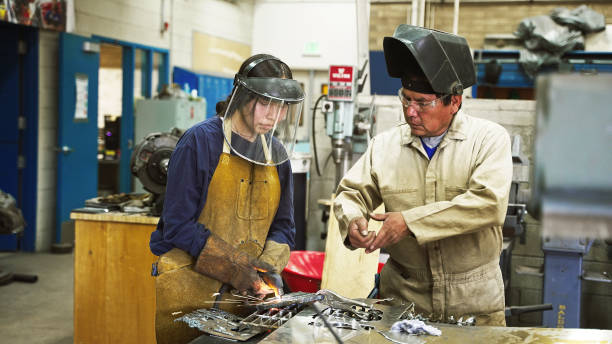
<point>262,116</point>
<point>429,61</point>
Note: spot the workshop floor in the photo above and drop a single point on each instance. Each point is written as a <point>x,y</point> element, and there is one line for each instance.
<point>40,312</point>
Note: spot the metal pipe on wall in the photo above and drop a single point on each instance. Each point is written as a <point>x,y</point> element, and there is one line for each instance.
<point>422,13</point>
<point>415,9</point>
<point>456,18</point>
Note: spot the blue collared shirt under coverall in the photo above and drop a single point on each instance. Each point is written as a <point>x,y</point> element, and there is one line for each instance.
<point>191,168</point>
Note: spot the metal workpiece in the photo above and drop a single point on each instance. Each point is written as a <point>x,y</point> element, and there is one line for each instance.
<point>220,323</point>
<point>350,307</point>
<point>270,319</point>
<point>289,300</point>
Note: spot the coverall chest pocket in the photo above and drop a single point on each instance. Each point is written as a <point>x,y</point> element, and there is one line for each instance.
<point>253,199</point>
<point>401,199</point>
<point>451,192</point>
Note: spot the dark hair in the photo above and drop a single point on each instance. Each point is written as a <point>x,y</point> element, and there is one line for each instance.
<point>269,67</point>
<point>446,100</point>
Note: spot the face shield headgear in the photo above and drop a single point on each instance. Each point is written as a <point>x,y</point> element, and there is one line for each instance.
<point>262,117</point>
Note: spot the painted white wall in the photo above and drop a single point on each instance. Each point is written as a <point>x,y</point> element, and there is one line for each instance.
<point>284,27</point>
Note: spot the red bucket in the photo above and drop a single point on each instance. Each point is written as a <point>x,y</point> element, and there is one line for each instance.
<point>305,269</point>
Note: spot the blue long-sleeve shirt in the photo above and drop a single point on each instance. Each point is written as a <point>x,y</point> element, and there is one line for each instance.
<point>190,171</point>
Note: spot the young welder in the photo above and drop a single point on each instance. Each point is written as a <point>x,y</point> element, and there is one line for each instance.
<point>228,211</point>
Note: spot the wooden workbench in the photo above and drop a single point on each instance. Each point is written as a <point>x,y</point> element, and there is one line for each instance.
<point>114,292</point>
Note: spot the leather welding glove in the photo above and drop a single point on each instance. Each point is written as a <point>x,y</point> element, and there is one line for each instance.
<point>276,255</point>
<point>225,263</point>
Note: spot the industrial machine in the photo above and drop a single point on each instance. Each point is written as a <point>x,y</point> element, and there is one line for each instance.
<point>572,188</point>
<point>500,75</point>
<point>12,222</point>
<point>162,115</point>
<point>347,124</point>
<point>149,163</point>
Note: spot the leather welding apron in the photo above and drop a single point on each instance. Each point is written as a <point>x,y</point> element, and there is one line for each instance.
<point>242,201</point>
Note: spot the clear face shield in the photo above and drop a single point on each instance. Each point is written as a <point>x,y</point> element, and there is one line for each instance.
<point>261,119</point>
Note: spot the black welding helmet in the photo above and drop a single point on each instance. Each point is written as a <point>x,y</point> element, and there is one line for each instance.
<point>262,117</point>
<point>429,61</point>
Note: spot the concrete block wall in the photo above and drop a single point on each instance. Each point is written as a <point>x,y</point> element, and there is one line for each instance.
<point>47,132</point>
<point>476,19</point>
<point>139,21</point>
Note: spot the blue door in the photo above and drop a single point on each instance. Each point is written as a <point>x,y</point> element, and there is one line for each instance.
<point>9,135</point>
<point>77,161</point>
<point>18,129</point>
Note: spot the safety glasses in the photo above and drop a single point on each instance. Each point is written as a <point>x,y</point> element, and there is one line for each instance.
<point>419,106</point>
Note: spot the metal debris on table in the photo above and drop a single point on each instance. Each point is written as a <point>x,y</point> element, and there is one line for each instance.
<point>341,312</point>
<point>410,314</point>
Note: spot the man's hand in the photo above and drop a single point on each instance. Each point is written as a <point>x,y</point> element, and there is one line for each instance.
<point>358,233</point>
<point>393,230</point>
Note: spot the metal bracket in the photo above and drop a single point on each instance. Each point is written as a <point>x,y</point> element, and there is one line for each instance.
<point>22,47</point>
<point>21,122</point>
<point>596,277</point>
<point>529,270</point>
<point>21,162</point>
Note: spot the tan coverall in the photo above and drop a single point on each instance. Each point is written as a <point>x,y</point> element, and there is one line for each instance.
<point>454,204</point>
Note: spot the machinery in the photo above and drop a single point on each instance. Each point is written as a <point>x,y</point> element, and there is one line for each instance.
<point>499,74</point>
<point>12,222</point>
<point>149,163</point>
<point>161,115</point>
<point>347,124</point>
<point>572,188</point>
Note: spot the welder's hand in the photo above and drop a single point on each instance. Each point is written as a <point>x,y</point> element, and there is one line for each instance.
<point>393,230</point>
<point>261,287</point>
<point>358,233</point>
<point>225,263</point>
<point>246,279</point>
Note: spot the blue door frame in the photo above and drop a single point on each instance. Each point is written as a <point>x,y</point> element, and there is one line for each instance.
<point>127,108</point>
<point>77,131</point>
<point>19,130</point>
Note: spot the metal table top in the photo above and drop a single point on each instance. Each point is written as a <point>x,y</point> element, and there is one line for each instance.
<point>306,328</point>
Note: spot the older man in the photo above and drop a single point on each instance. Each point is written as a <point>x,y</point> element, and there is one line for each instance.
<point>444,179</point>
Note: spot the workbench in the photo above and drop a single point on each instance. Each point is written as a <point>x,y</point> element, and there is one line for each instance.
<point>298,330</point>
<point>114,292</point>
